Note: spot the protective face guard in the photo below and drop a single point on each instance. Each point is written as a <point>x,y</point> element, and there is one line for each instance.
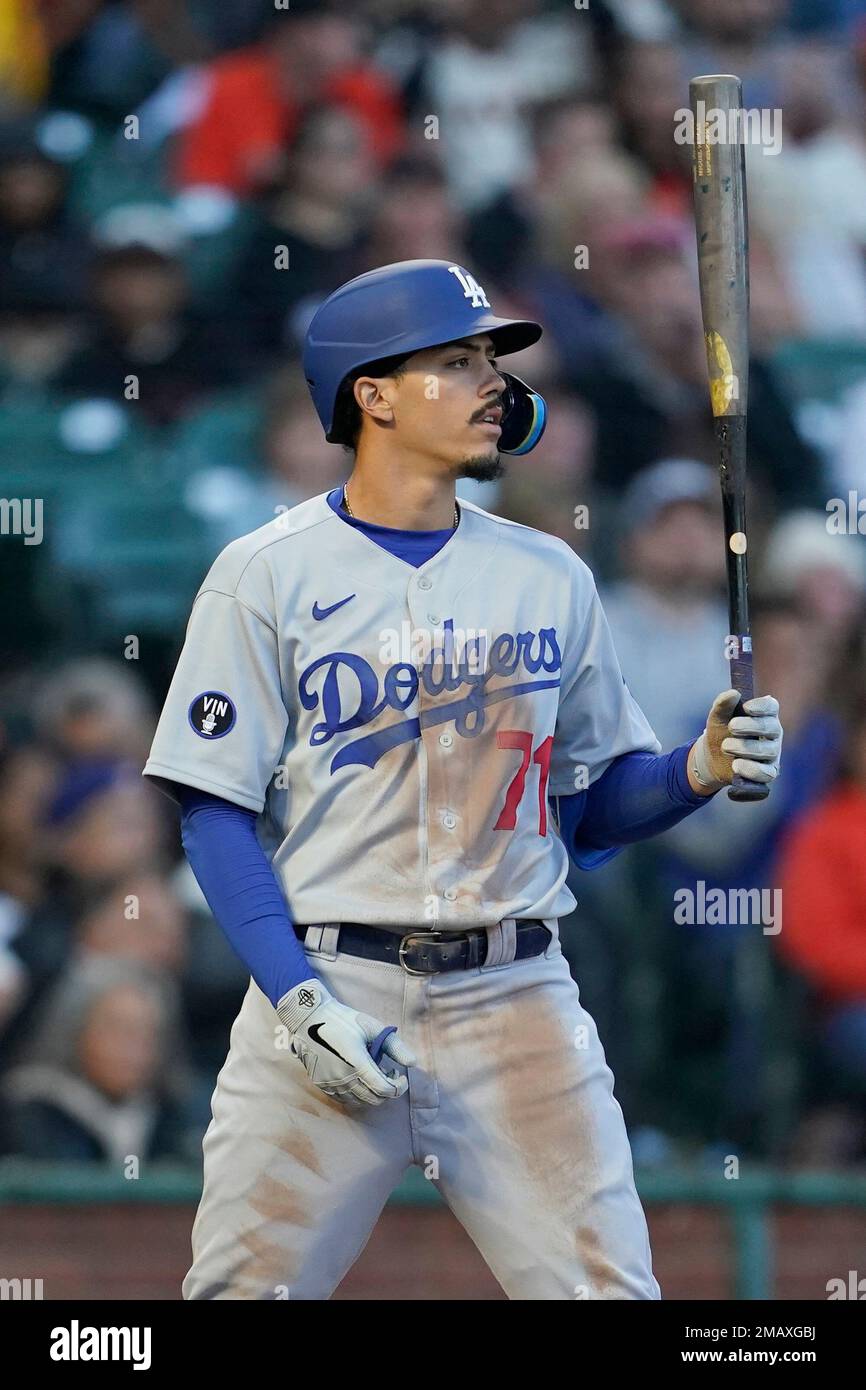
<point>524,416</point>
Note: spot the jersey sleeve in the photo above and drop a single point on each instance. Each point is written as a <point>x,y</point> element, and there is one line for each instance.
<point>599,718</point>
<point>223,726</point>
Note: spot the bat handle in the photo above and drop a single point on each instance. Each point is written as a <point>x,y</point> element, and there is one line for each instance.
<point>375,1047</point>
<point>742,679</point>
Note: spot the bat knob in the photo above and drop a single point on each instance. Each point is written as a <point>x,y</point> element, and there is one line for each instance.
<point>375,1047</point>
<point>741,789</point>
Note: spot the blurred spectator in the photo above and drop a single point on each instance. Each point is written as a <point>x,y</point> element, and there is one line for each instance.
<point>831,15</point>
<point>809,90</point>
<point>648,87</point>
<point>144,346</point>
<point>27,780</point>
<point>413,217</point>
<point>296,462</point>
<point>35,345</point>
<point>480,81</point>
<point>102,828</point>
<point>102,824</point>
<point>822,573</point>
<point>717,968</point>
<point>555,275</point>
<point>106,57</point>
<point>139,919</point>
<point>732,844</point>
<point>541,236</point>
<point>548,490</point>
<point>667,615</point>
<point>94,1083</point>
<point>809,199</point>
<point>13,976</point>
<point>311,52</point>
<point>651,394</point>
<point>749,37</point>
<point>42,253</point>
<point>568,134</point>
<point>299,460</point>
<point>92,708</point>
<point>774,316</point>
<point>823,877</point>
<point>604,188</point>
<point>308,240</point>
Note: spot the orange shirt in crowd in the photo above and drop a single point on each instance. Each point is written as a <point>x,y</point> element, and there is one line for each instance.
<point>823,881</point>
<point>248,120</point>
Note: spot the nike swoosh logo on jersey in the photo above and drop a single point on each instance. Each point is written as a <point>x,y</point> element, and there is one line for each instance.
<point>320,613</point>
<point>315,1032</point>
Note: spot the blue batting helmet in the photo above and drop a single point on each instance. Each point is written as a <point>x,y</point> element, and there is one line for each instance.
<point>382,317</point>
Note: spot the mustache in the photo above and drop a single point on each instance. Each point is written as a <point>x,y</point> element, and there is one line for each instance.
<point>491,405</point>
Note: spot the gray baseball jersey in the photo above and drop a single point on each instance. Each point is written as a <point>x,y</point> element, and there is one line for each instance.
<point>400,730</point>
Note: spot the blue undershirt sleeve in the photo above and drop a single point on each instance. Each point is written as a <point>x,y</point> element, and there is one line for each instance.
<point>220,842</point>
<point>639,795</point>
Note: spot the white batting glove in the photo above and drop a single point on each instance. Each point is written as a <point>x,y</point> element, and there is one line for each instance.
<point>749,745</point>
<point>332,1041</point>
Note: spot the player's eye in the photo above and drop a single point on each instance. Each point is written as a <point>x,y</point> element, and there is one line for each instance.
<point>456,361</point>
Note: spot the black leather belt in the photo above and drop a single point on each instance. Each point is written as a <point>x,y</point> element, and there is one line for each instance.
<point>433,952</point>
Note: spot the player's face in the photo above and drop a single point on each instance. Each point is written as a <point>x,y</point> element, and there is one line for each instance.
<point>447,406</point>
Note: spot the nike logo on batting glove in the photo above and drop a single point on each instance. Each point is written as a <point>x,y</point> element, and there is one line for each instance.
<point>343,1065</point>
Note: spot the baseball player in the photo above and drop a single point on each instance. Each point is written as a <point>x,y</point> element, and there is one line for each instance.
<point>393,720</point>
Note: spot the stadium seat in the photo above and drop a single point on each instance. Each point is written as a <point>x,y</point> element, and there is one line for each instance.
<point>28,431</point>
<point>54,441</point>
<point>815,369</point>
<point>114,171</point>
<point>224,432</point>
<point>211,258</point>
<point>131,561</point>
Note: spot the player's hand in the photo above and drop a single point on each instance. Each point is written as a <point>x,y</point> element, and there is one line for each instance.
<point>333,1042</point>
<point>749,744</point>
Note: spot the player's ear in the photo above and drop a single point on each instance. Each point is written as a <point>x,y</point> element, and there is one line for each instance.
<point>373,397</point>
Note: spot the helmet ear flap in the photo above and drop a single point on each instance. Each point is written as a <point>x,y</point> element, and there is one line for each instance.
<point>524,416</point>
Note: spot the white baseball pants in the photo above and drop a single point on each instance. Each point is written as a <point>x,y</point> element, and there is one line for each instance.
<point>510,1112</point>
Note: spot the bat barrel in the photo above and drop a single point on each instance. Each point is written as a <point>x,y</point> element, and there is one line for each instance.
<point>722,236</point>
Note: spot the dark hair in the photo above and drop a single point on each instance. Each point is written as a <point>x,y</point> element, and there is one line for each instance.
<point>132,257</point>
<point>346,428</point>
<point>311,117</point>
<point>407,170</point>
<point>770,603</point>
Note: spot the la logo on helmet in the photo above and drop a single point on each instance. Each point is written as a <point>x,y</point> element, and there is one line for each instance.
<point>471,288</point>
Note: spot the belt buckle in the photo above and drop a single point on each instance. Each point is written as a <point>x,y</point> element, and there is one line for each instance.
<point>432,936</point>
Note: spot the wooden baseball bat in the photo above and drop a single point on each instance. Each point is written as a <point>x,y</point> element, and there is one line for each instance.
<point>721,223</point>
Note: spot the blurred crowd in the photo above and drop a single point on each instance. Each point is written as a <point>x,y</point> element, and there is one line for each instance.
<point>181,183</point>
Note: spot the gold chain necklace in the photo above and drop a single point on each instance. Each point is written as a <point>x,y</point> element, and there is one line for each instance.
<point>352,514</point>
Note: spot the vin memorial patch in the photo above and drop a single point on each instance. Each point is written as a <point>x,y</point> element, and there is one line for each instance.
<point>212,715</point>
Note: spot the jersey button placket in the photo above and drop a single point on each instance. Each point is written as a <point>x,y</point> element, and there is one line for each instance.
<point>441,820</point>
<point>429,825</point>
